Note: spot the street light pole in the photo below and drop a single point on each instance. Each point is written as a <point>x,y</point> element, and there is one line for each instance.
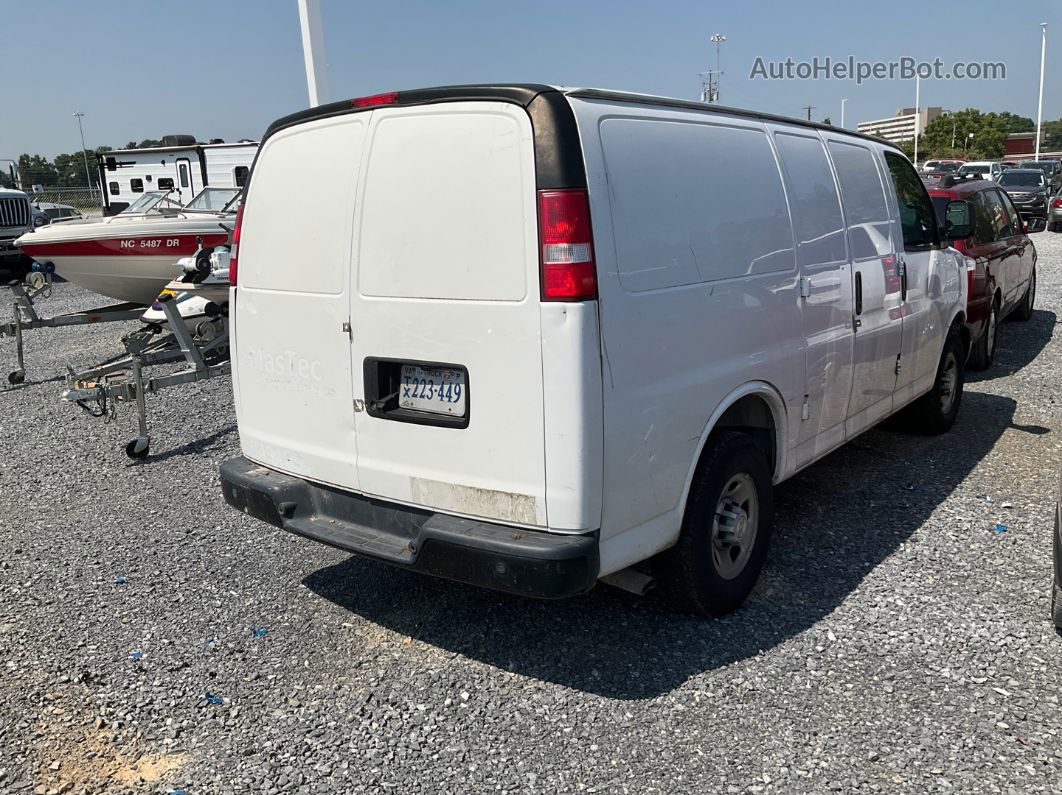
<point>844,100</point>
<point>1040,104</point>
<point>88,178</point>
<point>718,39</point>
<point>918,117</point>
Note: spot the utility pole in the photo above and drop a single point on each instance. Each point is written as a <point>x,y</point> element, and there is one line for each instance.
<point>842,111</point>
<point>1040,105</point>
<point>88,178</point>
<point>313,51</point>
<point>809,108</point>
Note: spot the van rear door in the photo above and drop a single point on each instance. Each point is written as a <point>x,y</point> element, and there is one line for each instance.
<point>445,313</point>
<point>291,353</point>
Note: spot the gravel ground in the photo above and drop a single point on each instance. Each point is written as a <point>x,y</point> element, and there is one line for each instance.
<point>152,639</point>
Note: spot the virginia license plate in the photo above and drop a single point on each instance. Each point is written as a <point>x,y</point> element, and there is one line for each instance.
<point>441,390</point>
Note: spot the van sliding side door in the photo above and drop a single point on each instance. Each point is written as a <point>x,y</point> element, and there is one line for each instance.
<point>878,311</point>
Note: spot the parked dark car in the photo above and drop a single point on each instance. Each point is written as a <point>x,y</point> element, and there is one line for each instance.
<point>1028,188</point>
<point>1052,170</point>
<point>1000,259</point>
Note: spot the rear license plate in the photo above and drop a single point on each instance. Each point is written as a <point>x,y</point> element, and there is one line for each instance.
<point>440,390</point>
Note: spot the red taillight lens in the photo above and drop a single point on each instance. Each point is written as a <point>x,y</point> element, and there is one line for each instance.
<point>374,100</point>
<point>1056,202</point>
<point>566,245</point>
<point>234,250</point>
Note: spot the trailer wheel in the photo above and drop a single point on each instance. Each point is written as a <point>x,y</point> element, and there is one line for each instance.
<point>138,448</point>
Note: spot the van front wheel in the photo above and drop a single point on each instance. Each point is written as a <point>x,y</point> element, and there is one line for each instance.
<point>935,412</point>
<point>726,528</point>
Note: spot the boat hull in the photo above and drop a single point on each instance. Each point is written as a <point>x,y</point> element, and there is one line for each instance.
<point>132,268</point>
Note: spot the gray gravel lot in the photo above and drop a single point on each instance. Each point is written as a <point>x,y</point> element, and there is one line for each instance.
<point>895,643</point>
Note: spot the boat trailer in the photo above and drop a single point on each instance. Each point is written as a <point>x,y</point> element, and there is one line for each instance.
<point>39,284</point>
<point>205,352</point>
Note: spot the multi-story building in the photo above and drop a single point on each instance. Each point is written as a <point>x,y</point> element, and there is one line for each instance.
<point>901,127</point>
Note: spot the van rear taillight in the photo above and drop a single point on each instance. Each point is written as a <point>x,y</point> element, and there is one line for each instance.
<point>1056,203</point>
<point>374,100</point>
<point>234,250</point>
<point>566,247</point>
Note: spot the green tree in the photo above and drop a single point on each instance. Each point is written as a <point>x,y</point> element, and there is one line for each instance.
<point>1052,131</point>
<point>36,170</point>
<point>147,143</point>
<point>70,169</point>
<point>968,133</point>
<point>1016,124</point>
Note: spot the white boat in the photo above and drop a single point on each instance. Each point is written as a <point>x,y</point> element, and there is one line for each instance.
<point>130,256</point>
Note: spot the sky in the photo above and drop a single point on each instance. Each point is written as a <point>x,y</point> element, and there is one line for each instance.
<point>227,68</point>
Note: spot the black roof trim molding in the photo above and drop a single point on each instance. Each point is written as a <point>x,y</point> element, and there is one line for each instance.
<point>517,93</point>
<point>648,99</point>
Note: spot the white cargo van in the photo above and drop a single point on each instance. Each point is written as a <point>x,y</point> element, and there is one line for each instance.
<point>527,337</point>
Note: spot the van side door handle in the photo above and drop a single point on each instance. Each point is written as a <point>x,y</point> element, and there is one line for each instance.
<point>859,293</point>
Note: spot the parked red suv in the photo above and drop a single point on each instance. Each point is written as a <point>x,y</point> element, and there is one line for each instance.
<point>1000,257</point>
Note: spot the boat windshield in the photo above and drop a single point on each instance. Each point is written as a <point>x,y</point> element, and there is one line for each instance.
<point>153,201</point>
<point>214,200</point>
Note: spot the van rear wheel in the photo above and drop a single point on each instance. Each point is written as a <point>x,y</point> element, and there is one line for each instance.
<point>726,528</point>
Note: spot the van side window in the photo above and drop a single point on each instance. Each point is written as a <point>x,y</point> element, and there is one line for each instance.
<point>863,197</point>
<point>165,183</point>
<point>999,217</point>
<point>136,185</point>
<point>916,210</point>
<point>812,198</point>
<point>710,194</point>
<point>239,175</point>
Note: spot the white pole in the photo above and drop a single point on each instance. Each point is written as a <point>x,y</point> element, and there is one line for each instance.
<point>842,111</point>
<point>88,178</point>
<point>313,51</point>
<point>918,117</point>
<point>1040,104</point>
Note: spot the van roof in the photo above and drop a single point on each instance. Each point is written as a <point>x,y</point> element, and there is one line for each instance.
<point>523,93</point>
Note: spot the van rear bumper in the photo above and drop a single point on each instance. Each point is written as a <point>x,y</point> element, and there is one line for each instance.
<point>511,559</point>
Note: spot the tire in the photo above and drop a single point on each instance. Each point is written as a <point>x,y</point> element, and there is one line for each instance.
<point>935,412</point>
<point>1024,310</point>
<point>709,571</point>
<point>984,350</point>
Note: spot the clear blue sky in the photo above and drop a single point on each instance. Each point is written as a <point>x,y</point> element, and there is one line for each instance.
<point>226,68</point>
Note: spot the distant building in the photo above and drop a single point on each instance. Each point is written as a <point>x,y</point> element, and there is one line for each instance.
<point>1021,144</point>
<point>901,127</point>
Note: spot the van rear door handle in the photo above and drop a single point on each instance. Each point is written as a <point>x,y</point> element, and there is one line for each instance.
<point>859,292</point>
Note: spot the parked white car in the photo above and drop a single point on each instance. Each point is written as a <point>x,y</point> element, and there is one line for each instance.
<point>986,168</point>
<point>527,337</point>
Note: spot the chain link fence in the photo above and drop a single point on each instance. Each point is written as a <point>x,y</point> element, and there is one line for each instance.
<point>86,200</point>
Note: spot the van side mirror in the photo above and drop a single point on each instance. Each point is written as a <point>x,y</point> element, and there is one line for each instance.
<point>1036,225</point>
<point>958,220</point>
<point>111,163</point>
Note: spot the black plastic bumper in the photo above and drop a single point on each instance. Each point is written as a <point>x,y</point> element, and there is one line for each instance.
<point>511,559</point>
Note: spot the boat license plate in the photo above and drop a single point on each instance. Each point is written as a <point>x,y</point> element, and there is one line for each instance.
<point>440,390</point>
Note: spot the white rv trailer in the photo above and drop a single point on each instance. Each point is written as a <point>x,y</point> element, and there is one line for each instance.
<point>186,168</point>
